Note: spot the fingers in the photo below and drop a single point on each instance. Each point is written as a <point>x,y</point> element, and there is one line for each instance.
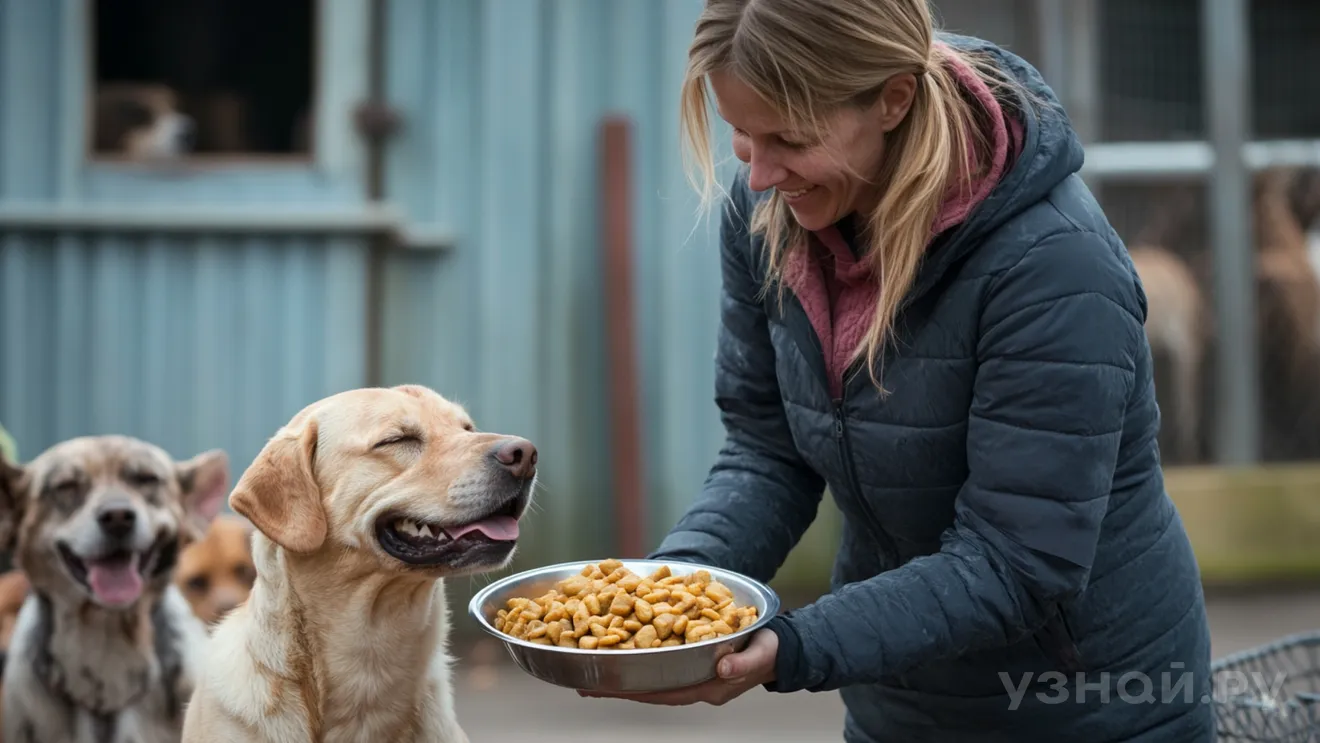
<point>711,692</point>
<point>759,652</point>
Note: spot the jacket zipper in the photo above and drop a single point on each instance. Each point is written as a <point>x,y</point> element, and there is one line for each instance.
<point>887,548</point>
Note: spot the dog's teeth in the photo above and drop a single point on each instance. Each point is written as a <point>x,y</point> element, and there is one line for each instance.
<point>426,532</point>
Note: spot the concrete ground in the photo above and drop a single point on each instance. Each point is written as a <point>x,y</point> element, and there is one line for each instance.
<point>497,702</point>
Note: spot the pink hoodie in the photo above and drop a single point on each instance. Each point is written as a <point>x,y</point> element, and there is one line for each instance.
<point>840,296</point>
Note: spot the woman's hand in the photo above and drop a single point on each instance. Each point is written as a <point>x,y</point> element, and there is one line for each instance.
<point>738,672</point>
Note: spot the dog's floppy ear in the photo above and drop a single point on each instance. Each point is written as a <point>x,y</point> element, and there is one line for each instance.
<point>279,493</point>
<point>13,500</point>
<point>204,480</point>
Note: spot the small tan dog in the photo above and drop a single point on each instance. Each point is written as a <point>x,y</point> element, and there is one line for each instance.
<point>363,503</point>
<point>216,572</point>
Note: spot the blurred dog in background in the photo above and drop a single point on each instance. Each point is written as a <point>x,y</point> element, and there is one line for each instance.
<point>140,121</point>
<point>216,572</point>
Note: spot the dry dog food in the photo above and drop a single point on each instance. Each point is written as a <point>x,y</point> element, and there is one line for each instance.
<point>609,606</point>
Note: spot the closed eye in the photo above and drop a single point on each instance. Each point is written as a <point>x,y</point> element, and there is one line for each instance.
<point>398,438</point>
<point>142,478</point>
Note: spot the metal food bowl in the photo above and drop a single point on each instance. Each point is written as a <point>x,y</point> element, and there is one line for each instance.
<point>630,670</point>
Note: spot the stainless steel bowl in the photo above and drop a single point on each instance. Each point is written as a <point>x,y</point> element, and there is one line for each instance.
<point>655,669</point>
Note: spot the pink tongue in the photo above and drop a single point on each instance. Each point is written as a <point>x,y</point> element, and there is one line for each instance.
<point>499,528</point>
<point>116,582</point>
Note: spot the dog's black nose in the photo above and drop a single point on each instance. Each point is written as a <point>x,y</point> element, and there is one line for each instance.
<point>116,519</point>
<point>518,456</point>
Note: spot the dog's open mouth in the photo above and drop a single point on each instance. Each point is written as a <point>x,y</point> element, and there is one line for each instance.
<point>115,579</point>
<point>423,543</point>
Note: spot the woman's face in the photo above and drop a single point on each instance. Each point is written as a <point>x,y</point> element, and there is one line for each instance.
<point>821,179</point>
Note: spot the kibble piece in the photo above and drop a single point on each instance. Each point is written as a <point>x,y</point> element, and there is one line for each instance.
<point>646,637</point>
<point>680,624</point>
<point>643,611</point>
<point>622,605</point>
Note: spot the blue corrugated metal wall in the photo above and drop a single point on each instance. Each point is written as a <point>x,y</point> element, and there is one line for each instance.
<point>192,342</point>
<point>200,340</point>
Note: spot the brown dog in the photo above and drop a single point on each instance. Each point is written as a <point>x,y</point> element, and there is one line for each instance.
<point>1178,327</point>
<point>1285,202</point>
<point>105,647</point>
<point>1288,311</point>
<point>363,503</point>
<point>215,573</point>
<point>13,592</point>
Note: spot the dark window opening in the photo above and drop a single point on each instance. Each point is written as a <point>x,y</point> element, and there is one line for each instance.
<point>202,77</point>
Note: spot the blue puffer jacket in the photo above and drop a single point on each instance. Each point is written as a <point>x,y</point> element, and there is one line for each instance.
<point>1006,522</point>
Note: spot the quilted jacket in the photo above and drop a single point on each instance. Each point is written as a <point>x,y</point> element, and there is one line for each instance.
<point>1011,566</point>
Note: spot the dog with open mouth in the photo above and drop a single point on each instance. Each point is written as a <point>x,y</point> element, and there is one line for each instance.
<point>104,649</point>
<point>364,503</point>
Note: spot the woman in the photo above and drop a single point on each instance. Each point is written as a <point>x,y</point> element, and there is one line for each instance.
<point>925,310</point>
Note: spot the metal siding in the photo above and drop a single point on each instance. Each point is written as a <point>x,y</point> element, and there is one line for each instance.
<point>29,71</point>
<point>189,342</point>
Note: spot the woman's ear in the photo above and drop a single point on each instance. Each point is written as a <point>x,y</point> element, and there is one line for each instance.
<point>895,101</point>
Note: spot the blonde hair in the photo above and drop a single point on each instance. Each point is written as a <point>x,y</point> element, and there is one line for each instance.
<point>810,58</point>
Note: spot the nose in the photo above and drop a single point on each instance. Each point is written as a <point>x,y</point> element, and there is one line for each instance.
<point>764,173</point>
<point>225,606</point>
<point>518,456</point>
<point>116,519</point>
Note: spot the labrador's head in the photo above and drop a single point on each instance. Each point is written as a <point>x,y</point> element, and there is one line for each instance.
<point>399,477</point>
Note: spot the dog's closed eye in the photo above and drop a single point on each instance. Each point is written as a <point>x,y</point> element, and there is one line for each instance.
<point>64,485</point>
<point>402,437</point>
<point>142,478</point>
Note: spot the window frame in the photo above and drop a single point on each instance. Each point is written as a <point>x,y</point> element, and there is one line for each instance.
<point>330,173</point>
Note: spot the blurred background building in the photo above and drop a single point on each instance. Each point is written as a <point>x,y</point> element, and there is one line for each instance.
<point>213,212</point>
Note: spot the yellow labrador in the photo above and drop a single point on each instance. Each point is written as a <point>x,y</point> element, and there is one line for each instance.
<point>363,503</point>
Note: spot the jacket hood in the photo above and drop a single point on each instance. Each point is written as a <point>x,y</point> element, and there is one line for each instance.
<point>1050,153</point>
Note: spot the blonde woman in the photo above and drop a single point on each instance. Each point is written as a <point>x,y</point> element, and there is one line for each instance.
<point>925,310</point>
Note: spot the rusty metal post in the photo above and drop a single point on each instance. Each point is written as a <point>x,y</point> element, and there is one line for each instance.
<point>623,399</point>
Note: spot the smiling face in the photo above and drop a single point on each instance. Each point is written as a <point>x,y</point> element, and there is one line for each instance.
<point>396,479</point>
<point>825,172</point>
<point>102,519</point>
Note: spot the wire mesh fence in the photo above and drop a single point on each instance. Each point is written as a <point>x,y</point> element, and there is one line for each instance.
<point>1149,86</point>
